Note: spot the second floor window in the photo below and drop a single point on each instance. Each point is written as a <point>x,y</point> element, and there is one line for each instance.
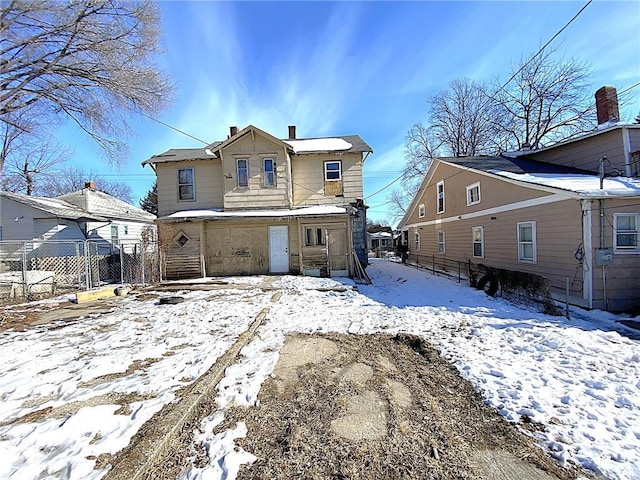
<point>243,172</point>
<point>332,171</point>
<point>440,188</point>
<point>473,194</point>
<point>626,229</point>
<point>421,210</point>
<point>269,172</point>
<point>186,186</point>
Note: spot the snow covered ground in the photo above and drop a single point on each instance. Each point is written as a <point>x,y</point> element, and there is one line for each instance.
<point>578,377</point>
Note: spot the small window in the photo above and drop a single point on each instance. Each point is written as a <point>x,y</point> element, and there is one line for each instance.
<point>440,188</point>
<point>115,236</point>
<point>269,172</point>
<point>314,236</point>
<point>417,241</point>
<point>186,187</point>
<point>440,241</point>
<point>473,194</point>
<point>478,241</point>
<point>625,232</point>
<point>332,171</point>
<point>527,242</point>
<point>181,239</point>
<point>126,229</point>
<point>421,210</point>
<point>243,172</point>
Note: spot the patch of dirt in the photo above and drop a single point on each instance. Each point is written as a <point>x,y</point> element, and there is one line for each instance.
<point>133,367</point>
<point>378,407</point>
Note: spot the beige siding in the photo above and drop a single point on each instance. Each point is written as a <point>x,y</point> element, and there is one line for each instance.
<point>494,192</point>
<point>622,276</point>
<point>208,186</point>
<point>308,179</point>
<point>255,148</point>
<point>586,154</point>
<point>558,235</point>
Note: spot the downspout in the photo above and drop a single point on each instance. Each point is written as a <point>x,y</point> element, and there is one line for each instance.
<point>602,239</point>
<point>587,260</point>
<point>626,143</point>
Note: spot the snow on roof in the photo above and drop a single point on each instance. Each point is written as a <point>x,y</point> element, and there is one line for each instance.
<point>298,212</point>
<point>319,145</point>
<point>54,206</point>
<point>585,185</point>
<point>100,203</point>
<point>380,235</point>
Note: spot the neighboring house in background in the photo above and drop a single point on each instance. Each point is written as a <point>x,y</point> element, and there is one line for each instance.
<point>82,215</point>
<point>569,211</point>
<point>256,204</point>
<point>122,223</point>
<point>379,238</point>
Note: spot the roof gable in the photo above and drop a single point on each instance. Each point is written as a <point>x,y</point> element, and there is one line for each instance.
<point>250,129</point>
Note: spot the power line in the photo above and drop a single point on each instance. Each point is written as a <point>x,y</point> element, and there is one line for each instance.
<point>173,128</point>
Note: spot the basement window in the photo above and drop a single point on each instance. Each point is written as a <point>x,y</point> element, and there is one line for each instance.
<point>181,239</point>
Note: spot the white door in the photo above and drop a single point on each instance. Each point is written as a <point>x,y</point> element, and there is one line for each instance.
<point>278,249</point>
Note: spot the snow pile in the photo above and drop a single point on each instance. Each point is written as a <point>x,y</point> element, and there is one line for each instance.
<point>319,145</point>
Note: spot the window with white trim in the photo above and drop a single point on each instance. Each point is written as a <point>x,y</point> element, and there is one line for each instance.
<point>440,241</point>
<point>477,235</point>
<point>242,172</point>
<point>527,242</point>
<point>417,242</point>
<point>473,194</point>
<point>186,184</point>
<point>115,236</point>
<point>625,232</point>
<point>332,171</point>
<point>421,210</point>
<point>269,172</point>
<point>440,199</point>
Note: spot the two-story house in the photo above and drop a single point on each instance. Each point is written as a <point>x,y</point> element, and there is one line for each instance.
<point>569,213</point>
<point>257,204</point>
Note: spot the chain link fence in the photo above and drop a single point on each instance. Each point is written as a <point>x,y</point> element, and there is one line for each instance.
<point>36,269</point>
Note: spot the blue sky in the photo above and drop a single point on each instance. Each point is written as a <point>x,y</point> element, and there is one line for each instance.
<point>363,68</point>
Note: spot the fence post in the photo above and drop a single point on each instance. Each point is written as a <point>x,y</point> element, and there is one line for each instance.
<point>121,265</point>
<point>459,271</point>
<point>433,263</point>
<point>567,297</point>
<point>24,270</point>
<point>87,265</point>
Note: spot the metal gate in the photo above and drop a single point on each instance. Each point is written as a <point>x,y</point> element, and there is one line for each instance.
<point>31,269</point>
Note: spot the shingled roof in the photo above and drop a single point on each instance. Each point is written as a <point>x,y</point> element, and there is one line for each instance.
<point>104,205</point>
<point>512,165</point>
<point>53,206</point>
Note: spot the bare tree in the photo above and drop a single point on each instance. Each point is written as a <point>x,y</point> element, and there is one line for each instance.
<point>89,61</point>
<point>460,118</point>
<point>548,100</point>
<point>28,153</point>
<point>73,178</point>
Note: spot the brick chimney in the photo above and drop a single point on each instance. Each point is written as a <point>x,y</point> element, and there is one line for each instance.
<point>607,105</point>
<point>292,132</point>
<point>90,185</point>
<point>233,130</point>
